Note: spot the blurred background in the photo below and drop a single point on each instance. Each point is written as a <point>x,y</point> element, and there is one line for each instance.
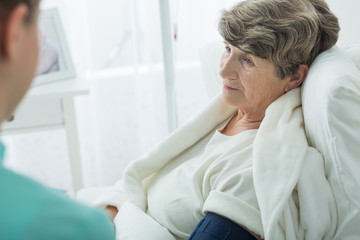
<point>116,46</point>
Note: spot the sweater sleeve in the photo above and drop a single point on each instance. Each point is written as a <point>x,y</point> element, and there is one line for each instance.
<point>108,196</point>
<point>232,193</point>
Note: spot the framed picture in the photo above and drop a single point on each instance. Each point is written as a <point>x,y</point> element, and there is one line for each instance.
<point>55,62</point>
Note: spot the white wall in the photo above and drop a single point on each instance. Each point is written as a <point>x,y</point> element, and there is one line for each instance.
<point>349,18</point>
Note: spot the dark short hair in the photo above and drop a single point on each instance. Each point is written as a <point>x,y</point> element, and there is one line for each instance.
<point>286,32</point>
<point>6,6</point>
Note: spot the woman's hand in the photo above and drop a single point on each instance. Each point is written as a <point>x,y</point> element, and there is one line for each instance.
<point>112,211</point>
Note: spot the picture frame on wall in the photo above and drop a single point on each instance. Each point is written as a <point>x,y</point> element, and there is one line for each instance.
<point>55,62</point>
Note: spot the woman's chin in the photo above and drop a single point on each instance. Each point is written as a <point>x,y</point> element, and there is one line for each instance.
<point>230,99</point>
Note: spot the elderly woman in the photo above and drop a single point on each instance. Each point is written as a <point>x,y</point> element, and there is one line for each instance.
<point>241,168</point>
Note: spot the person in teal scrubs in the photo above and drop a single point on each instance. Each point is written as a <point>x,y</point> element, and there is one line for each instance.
<point>29,210</point>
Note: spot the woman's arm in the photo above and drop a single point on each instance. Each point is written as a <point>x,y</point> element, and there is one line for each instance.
<point>215,227</point>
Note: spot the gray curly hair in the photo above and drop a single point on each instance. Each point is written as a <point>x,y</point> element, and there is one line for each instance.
<point>286,32</point>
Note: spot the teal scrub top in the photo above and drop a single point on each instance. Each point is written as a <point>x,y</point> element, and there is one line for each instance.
<point>31,211</point>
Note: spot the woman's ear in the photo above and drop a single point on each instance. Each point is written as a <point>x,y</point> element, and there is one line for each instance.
<point>297,78</point>
<point>11,31</point>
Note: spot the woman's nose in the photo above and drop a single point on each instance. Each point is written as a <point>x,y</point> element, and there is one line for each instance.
<point>228,68</point>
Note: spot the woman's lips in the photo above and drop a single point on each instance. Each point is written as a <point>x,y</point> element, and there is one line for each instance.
<point>229,88</point>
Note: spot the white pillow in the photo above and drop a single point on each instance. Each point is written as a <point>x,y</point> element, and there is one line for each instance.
<point>331,108</point>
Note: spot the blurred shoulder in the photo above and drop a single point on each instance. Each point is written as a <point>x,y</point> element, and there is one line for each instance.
<point>32,211</point>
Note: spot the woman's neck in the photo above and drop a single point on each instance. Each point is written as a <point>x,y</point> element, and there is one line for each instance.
<point>241,122</point>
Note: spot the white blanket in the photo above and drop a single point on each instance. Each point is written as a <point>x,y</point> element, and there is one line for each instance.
<point>295,199</point>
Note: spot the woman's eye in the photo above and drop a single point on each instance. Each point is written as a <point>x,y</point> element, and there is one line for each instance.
<point>228,49</point>
<point>248,60</point>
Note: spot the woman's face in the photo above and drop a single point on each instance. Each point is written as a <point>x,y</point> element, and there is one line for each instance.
<point>250,83</point>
